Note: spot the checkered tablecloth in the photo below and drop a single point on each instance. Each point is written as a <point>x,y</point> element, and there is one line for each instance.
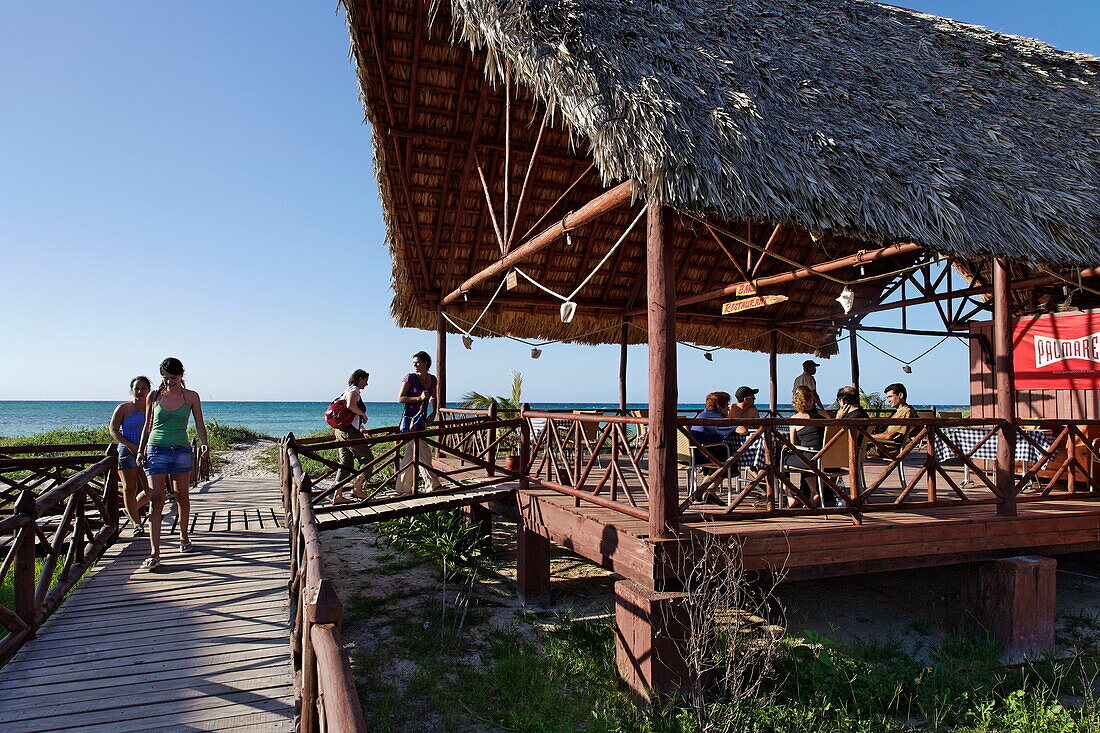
<point>751,458</point>
<point>967,438</point>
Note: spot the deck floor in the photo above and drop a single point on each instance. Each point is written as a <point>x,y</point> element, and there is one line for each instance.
<point>199,644</point>
<point>815,546</point>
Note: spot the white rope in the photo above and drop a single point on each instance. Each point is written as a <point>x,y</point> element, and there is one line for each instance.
<point>536,344</point>
<point>592,274</point>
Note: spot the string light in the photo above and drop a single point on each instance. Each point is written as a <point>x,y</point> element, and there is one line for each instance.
<point>467,341</point>
<point>536,353</point>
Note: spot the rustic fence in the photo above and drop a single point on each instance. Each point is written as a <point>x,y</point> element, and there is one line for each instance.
<point>323,680</point>
<point>58,513</point>
<point>939,462</point>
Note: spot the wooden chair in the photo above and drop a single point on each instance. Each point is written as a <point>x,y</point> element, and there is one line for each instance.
<point>642,429</point>
<point>951,414</point>
<point>831,460</point>
<point>1081,453</point>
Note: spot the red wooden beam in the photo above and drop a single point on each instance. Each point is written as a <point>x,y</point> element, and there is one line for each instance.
<point>664,494</point>
<point>596,207</point>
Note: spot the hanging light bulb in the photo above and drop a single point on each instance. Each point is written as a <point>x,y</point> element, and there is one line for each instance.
<point>847,299</point>
<point>708,356</point>
<point>568,308</point>
<point>467,341</point>
<point>907,369</point>
<point>536,353</point>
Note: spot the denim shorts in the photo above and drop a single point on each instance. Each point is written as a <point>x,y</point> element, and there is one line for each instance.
<point>126,460</point>
<point>161,460</point>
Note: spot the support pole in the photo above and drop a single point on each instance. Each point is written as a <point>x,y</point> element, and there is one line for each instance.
<point>661,322</point>
<point>773,374</point>
<point>440,360</point>
<point>1003,384</point>
<point>622,367</point>
<point>855,357</point>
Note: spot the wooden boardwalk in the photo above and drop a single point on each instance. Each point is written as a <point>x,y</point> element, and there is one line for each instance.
<point>346,515</point>
<point>199,644</point>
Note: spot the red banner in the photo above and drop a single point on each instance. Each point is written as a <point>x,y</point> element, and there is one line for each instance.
<point>1057,352</point>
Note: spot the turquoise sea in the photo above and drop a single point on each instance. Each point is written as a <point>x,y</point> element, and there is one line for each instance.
<point>272,418</point>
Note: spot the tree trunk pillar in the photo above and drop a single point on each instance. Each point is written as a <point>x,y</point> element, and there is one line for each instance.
<point>661,321</point>
<point>622,366</point>
<point>440,359</point>
<point>854,353</point>
<point>1005,388</point>
<point>773,373</point>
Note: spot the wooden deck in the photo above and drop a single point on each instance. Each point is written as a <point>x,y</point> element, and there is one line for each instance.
<point>199,644</point>
<point>816,546</point>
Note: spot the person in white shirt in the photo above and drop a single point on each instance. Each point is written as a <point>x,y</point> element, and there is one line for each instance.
<point>808,380</point>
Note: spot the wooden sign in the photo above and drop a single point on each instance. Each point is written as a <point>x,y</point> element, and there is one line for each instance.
<point>745,304</point>
<point>511,280</point>
<point>745,289</point>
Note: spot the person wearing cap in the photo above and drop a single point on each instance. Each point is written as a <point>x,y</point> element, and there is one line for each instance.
<point>745,407</point>
<point>808,380</point>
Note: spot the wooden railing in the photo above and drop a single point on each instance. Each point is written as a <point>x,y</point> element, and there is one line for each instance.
<point>323,680</point>
<point>65,513</point>
<point>593,458</point>
<point>603,460</point>
<point>472,437</point>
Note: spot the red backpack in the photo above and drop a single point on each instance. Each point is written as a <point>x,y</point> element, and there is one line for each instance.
<point>338,415</point>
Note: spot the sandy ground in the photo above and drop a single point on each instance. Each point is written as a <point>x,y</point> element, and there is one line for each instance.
<point>243,460</point>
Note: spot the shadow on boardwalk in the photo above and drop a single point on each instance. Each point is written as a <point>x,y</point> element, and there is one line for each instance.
<point>201,643</point>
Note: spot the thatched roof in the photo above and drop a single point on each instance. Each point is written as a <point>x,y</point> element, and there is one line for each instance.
<point>853,124</point>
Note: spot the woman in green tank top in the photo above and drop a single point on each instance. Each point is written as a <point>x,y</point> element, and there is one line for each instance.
<point>166,455</point>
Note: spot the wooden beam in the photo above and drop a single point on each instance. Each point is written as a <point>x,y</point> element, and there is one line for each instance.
<point>854,353</point>
<point>596,207</point>
<point>660,288</point>
<point>863,257</point>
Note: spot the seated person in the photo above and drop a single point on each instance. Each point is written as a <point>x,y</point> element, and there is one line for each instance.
<point>896,396</point>
<point>716,408</point>
<point>848,406</point>
<point>745,407</point>
<point>808,438</point>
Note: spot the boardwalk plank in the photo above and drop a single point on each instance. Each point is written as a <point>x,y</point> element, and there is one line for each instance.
<point>202,645</point>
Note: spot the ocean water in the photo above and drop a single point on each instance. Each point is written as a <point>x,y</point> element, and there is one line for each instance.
<point>272,418</point>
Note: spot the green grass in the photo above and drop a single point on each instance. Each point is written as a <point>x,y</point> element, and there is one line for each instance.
<point>565,680</point>
<point>7,583</point>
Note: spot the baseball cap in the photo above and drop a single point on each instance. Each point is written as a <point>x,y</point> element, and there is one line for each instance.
<point>809,362</point>
<point>743,392</point>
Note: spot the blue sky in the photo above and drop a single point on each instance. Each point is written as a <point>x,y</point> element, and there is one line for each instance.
<point>195,179</point>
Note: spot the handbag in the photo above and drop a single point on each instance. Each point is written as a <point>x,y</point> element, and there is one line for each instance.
<point>338,415</point>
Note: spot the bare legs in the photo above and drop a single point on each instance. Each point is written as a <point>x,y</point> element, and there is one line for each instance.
<point>135,493</point>
<point>180,485</point>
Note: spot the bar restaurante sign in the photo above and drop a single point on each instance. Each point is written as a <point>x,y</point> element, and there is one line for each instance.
<point>759,301</point>
<point>1057,352</point>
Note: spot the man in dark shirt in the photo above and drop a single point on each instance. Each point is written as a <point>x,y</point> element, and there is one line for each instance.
<point>847,400</point>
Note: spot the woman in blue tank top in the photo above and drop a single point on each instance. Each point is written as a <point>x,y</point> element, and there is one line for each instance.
<point>125,427</point>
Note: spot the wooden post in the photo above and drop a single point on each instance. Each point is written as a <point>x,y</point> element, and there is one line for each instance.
<point>660,289</point>
<point>110,492</point>
<point>524,448</point>
<point>1003,384</point>
<point>622,367</point>
<point>773,373</point>
<point>440,360</point>
<point>491,458</point>
<point>532,565</point>
<point>24,581</point>
<point>854,353</point>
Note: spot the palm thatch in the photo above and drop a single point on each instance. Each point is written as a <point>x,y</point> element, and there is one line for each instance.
<point>839,115</point>
<point>851,124</point>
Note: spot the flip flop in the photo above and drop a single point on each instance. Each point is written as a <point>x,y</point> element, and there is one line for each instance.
<point>150,562</point>
<point>187,546</point>
<point>341,500</point>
